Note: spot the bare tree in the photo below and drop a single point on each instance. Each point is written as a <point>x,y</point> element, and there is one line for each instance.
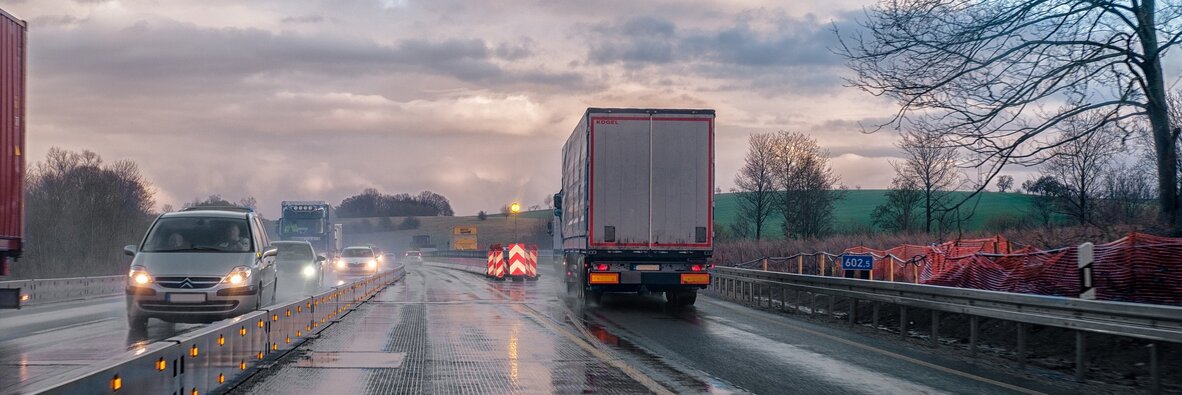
<point>900,213</point>
<point>1004,183</point>
<point>1079,162</point>
<point>81,211</point>
<point>1128,193</point>
<point>994,75</point>
<point>806,184</point>
<point>930,164</point>
<point>756,186</point>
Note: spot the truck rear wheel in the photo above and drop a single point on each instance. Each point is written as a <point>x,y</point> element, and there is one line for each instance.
<point>682,297</point>
<point>590,297</point>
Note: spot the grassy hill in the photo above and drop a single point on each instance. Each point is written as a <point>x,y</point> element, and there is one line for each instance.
<point>853,212</point>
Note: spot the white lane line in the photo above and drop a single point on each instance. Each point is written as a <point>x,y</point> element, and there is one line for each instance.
<point>617,363</point>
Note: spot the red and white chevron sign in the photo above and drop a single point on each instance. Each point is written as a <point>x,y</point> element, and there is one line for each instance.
<point>496,261</point>
<point>518,260</point>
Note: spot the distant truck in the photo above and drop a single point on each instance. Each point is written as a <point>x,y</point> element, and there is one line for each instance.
<point>637,203</point>
<point>13,62</point>
<point>310,221</point>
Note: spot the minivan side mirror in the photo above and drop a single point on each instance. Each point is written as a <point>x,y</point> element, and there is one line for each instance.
<point>129,250</point>
<point>320,258</point>
<point>270,252</point>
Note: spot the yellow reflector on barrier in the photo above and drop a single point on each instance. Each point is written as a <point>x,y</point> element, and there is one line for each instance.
<point>274,317</point>
<point>261,321</point>
<point>221,378</point>
<point>604,278</point>
<point>260,355</point>
<point>697,278</point>
<point>242,365</point>
<point>193,351</point>
<point>161,364</point>
<point>116,383</point>
<point>194,392</point>
<point>289,312</point>
<point>242,331</point>
<point>298,333</point>
<point>221,340</point>
<point>288,339</point>
<point>274,346</point>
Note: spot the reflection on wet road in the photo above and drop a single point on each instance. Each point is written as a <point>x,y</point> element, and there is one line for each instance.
<point>43,342</point>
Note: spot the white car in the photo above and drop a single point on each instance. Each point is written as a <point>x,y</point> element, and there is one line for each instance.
<point>357,260</point>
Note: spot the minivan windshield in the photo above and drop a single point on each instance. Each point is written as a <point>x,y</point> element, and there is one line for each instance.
<point>358,253</point>
<point>190,234</point>
<point>293,251</point>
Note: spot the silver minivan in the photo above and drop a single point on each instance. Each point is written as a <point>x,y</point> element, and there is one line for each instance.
<point>198,265</point>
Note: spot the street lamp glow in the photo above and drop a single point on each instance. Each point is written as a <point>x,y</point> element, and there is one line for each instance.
<point>514,208</point>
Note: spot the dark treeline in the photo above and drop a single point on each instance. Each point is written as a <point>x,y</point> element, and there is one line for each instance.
<point>80,212</point>
<point>371,203</point>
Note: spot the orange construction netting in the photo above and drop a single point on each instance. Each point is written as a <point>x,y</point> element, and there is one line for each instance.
<point>1138,268</point>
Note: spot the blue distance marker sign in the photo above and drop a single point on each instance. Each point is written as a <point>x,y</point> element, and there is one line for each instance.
<point>857,262</point>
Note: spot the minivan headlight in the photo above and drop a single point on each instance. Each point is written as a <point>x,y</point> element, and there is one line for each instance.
<point>309,271</point>
<point>372,264</point>
<point>238,276</point>
<point>139,275</point>
<point>340,264</point>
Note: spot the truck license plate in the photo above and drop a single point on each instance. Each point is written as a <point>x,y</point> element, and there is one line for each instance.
<point>648,268</point>
<point>186,298</point>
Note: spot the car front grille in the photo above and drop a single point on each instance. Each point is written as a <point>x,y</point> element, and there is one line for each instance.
<point>188,282</point>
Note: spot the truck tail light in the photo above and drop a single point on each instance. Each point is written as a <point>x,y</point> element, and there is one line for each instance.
<point>601,267</point>
<point>696,268</point>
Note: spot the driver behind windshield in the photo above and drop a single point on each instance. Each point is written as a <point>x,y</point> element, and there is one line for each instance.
<point>233,240</point>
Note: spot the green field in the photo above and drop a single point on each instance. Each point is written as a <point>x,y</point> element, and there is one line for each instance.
<point>853,212</point>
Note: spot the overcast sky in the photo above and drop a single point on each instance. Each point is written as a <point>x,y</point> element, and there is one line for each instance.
<point>317,100</point>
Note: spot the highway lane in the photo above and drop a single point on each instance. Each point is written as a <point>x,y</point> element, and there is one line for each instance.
<point>456,331</point>
<point>44,342</point>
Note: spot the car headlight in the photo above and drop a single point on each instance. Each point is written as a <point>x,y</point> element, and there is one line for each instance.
<point>139,275</point>
<point>372,264</point>
<point>238,276</point>
<point>309,271</point>
<point>341,264</point>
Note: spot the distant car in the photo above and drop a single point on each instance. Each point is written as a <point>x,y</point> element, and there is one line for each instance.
<point>299,266</point>
<point>200,265</point>
<point>414,256</point>
<point>357,260</point>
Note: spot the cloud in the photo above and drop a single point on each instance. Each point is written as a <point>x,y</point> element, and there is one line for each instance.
<point>282,99</point>
<point>306,19</point>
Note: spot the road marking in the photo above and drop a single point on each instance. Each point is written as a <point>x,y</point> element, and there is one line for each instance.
<point>617,363</point>
<point>641,378</point>
<point>884,352</point>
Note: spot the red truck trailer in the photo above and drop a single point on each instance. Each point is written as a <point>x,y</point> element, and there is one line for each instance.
<point>13,61</point>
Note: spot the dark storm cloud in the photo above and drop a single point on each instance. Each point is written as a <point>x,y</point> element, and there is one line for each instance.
<point>168,56</point>
<point>756,51</point>
<point>650,39</point>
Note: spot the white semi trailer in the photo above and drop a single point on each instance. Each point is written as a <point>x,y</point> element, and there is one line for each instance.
<point>637,203</point>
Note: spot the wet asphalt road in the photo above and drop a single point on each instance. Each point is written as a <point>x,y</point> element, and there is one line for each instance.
<point>41,343</point>
<point>443,330</point>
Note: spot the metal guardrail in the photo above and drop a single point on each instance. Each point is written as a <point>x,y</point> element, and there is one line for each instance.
<point>222,353</point>
<point>52,290</point>
<point>1157,323</point>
